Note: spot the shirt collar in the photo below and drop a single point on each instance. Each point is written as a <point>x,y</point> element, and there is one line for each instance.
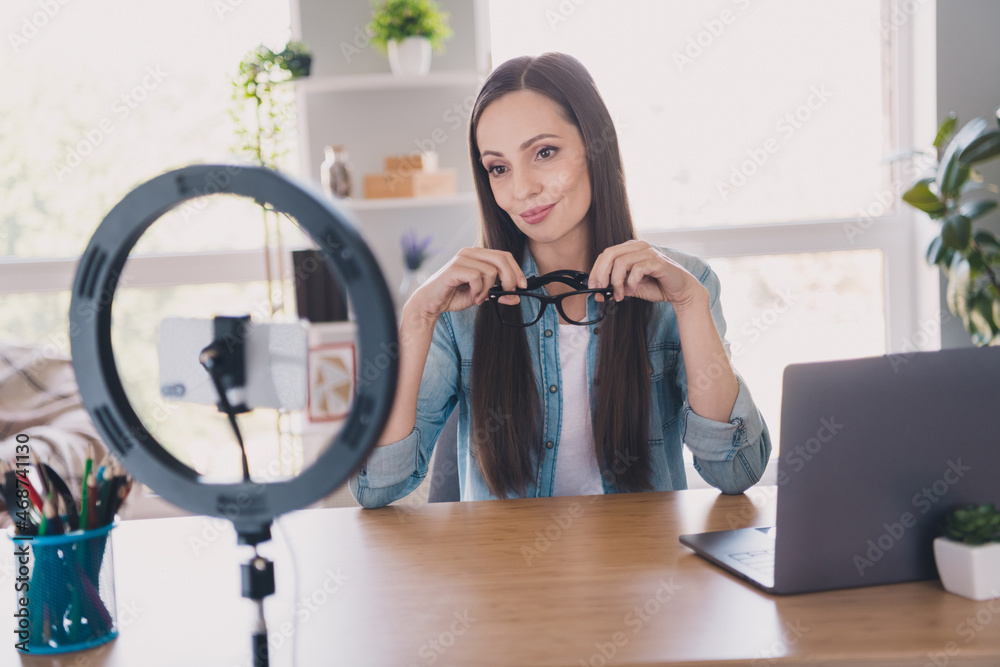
<point>528,266</point>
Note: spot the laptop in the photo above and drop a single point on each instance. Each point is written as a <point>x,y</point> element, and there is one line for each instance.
<point>874,452</point>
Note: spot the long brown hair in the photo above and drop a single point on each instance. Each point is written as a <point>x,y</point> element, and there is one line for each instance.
<point>506,408</point>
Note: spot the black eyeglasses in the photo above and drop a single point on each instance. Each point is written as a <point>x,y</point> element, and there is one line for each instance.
<point>531,306</point>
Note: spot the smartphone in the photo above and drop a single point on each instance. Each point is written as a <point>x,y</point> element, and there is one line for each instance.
<point>275,356</point>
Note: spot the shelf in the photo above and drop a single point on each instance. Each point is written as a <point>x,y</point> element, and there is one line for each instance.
<point>363,82</point>
<point>407,202</point>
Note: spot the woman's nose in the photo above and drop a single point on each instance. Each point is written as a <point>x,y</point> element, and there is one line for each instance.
<point>526,184</point>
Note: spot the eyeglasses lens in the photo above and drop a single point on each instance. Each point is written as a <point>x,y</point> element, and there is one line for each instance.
<point>520,314</point>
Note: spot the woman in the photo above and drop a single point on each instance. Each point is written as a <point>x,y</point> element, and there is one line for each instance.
<point>557,408</point>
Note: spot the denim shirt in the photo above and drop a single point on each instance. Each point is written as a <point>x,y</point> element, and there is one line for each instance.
<point>729,455</point>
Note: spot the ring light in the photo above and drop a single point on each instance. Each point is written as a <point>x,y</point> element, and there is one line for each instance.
<point>251,506</point>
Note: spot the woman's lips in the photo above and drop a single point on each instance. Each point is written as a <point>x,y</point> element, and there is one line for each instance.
<point>535,215</point>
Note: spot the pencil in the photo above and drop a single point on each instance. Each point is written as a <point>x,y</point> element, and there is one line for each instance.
<point>84,486</point>
<point>90,498</point>
<point>103,502</point>
<point>65,515</point>
<point>46,482</point>
<point>36,499</point>
<point>43,524</point>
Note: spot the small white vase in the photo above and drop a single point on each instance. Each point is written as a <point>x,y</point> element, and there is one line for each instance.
<point>412,280</point>
<point>411,57</point>
<point>969,571</point>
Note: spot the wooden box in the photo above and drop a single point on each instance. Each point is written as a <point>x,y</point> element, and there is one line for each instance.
<point>405,164</point>
<point>415,184</point>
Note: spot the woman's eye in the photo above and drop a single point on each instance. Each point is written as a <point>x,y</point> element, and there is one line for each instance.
<point>497,170</point>
<point>546,152</point>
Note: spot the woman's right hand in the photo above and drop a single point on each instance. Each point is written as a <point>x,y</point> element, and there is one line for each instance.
<point>466,280</point>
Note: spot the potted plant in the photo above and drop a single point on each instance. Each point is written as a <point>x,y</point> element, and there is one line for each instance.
<point>954,194</point>
<point>415,252</point>
<point>968,554</point>
<point>407,30</point>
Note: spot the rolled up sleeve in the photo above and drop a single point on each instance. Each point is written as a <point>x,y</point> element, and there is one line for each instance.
<point>729,455</point>
<point>388,474</point>
<point>392,471</point>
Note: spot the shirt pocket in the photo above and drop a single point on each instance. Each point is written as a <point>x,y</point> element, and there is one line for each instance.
<point>666,404</point>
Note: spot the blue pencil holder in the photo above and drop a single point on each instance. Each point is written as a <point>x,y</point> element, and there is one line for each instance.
<point>69,600</point>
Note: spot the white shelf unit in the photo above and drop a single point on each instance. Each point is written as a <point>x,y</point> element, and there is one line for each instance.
<point>360,82</point>
<point>353,100</point>
<point>388,204</point>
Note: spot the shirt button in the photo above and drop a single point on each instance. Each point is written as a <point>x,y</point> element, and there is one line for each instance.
<point>596,330</point>
<point>548,333</point>
<point>553,389</point>
<point>549,444</point>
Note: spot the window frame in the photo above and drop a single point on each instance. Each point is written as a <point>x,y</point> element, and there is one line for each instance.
<point>912,294</point>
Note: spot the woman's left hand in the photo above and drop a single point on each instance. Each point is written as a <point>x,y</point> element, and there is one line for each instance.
<point>635,268</point>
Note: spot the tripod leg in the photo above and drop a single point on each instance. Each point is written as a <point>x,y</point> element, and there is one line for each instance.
<point>258,639</point>
<point>258,583</point>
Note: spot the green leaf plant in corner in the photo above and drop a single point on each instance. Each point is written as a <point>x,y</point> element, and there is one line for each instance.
<point>956,195</point>
<point>973,524</point>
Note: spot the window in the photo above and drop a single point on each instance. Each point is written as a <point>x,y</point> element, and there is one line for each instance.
<point>728,112</point>
<point>103,102</point>
<point>105,95</point>
<point>754,135</point>
<point>795,308</point>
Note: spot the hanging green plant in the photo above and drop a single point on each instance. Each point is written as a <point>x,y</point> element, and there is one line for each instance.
<point>263,112</point>
<point>259,78</point>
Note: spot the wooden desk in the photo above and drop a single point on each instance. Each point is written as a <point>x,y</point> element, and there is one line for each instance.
<point>555,582</point>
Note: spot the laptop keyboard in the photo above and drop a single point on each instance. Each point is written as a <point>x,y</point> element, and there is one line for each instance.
<point>761,561</point>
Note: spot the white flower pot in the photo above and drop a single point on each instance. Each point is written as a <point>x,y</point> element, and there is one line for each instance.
<point>411,57</point>
<point>969,571</point>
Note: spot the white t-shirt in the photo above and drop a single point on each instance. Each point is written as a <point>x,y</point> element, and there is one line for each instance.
<point>577,471</point>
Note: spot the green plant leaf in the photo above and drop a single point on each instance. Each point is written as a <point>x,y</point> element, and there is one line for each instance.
<point>938,253</point>
<point>985,309</point>
<point>977,263</point>
<point>973,524</point>
<point>906,154</point>
<point>934,250</point>
<point>977,209</point>
<point>945,130</point>
<point>986,239</point>
<point>952,172</point>
<point>958,287</point>
<point>921,197</point>
<point>982,148</point>
<point>980,324</point>
<point>956,232</point>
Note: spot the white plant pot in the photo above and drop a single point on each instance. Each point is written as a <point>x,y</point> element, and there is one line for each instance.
<point>969,571</point>
<point>411,57</point>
